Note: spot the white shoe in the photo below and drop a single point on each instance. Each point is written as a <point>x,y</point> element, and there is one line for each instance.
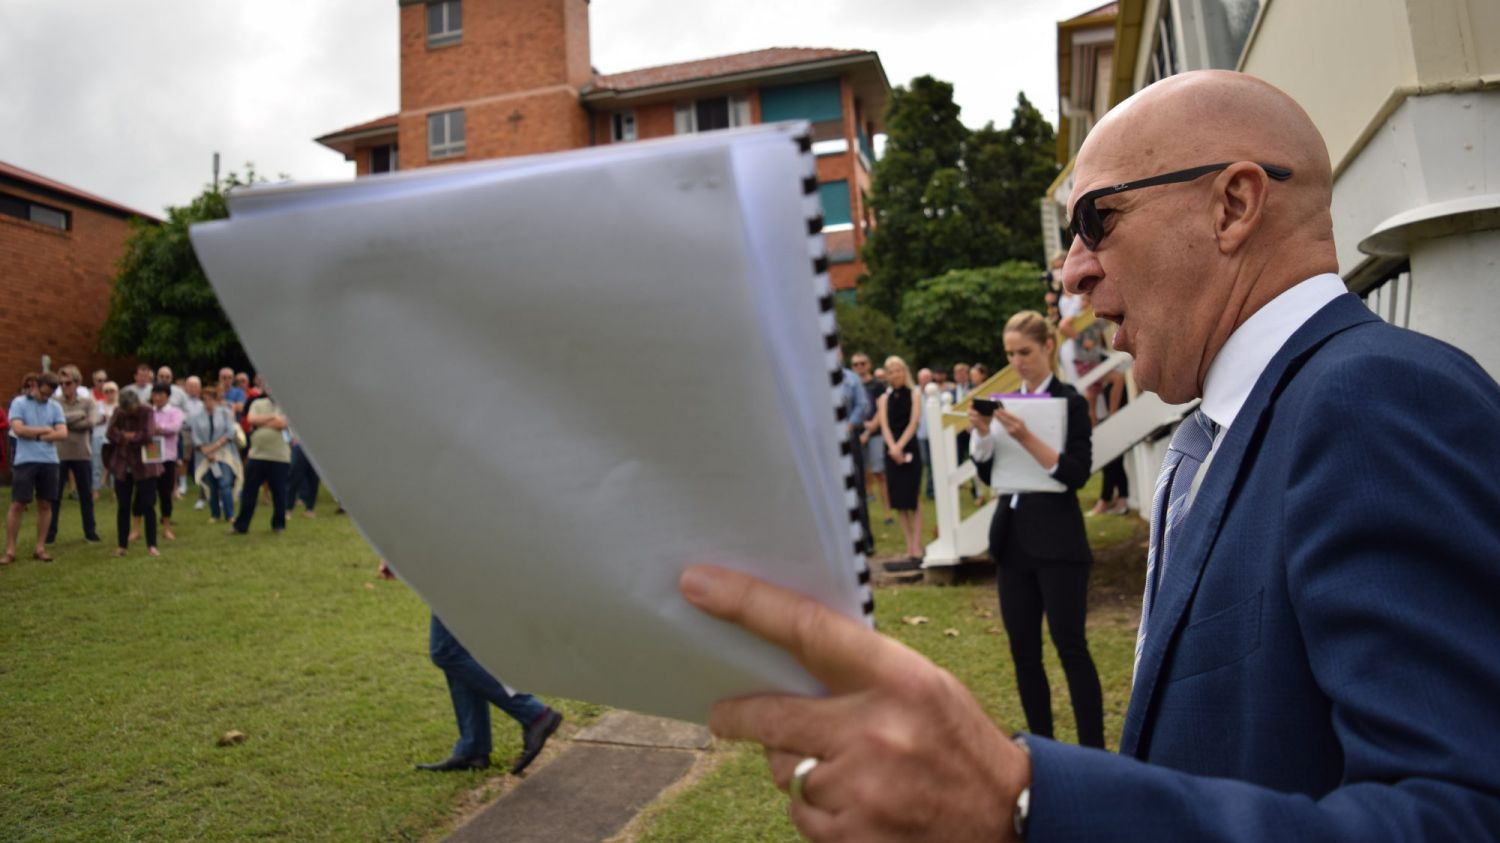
<point>200,504</point>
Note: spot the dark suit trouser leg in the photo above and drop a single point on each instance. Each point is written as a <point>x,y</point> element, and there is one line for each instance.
<point>124,497</point>
<point>276,475</point>
<point>1065,592</point>
<point>473,689</point>
<point>145,506</point>
<point>857,451</point>
<point>255,477</point>
<point>166,486</point>
<point>83,480</point>
<point>1115,483</point>
<point>1021,612</point>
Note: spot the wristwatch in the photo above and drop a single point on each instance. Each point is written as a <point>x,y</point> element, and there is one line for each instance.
<point>1022,811</point>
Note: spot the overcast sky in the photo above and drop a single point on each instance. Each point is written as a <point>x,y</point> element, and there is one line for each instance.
<point>129,100</point>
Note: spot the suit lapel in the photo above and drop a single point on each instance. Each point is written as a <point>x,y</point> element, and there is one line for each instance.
<point>1180,577</point>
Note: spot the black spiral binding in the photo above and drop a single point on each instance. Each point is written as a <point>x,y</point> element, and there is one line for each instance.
<point>817,252</point>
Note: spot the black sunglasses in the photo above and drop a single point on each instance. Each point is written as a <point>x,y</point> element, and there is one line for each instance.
<point>1088,220</point>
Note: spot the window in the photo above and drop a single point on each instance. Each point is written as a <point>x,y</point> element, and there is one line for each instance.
<point>1226,27</point>
<point>1164,60</point>
<point>383,159</point>
<point>711,113</point>
<point>445,22</point>
<point>622,126</point>
<point>814,102</point>
<point>1198,34</point>
<point>445,134</point>
<point>834,196</point>
<point>15,206</point>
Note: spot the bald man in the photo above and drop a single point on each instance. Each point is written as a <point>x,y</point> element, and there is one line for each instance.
<point>1318,658</point>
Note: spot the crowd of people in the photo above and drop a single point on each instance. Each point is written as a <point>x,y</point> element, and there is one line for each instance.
<point>889,435</point>
<point>154,443</point>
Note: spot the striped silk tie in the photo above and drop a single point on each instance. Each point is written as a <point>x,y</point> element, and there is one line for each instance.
<point>1169,505</point>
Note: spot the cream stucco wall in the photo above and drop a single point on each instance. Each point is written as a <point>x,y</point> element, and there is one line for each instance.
<point>1341,59</point>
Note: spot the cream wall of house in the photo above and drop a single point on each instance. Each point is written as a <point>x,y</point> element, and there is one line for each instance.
<point>1341,59</point>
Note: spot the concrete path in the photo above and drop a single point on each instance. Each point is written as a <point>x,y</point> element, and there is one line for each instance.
<point>613,770</point>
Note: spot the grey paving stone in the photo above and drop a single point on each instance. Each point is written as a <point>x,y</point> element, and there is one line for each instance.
<point>587,794</point>
<point>630,729</point>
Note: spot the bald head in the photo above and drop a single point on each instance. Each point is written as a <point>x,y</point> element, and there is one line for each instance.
<point>1209,116</point>
<point>1192,260</point>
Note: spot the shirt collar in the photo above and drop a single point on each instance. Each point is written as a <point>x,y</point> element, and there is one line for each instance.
<point>1042,387</point>
<point>1250,348</point>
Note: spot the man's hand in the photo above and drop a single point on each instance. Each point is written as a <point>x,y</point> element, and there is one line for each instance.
<point>905,752</point>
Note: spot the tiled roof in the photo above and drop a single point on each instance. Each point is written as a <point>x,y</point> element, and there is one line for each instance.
<point>10,171</point>
<point>688,71</point>
<point>1106,9</point>
<point>387,122</point>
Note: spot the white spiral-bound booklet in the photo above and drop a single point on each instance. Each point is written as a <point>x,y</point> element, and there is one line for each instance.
<point>545,385</point>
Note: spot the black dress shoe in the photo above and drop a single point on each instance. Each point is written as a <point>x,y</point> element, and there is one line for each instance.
<point>454,763</point>
<point>535,737</point>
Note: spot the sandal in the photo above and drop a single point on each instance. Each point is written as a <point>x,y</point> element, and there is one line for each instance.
<point>151,551</point>
<point>42,555</point>
<point>7,559</point>
<point>119,552</point>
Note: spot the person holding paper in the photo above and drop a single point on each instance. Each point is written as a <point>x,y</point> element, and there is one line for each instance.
<point>130,432</point>
<point>1318,651</point>
<point>1038,542</point>
<point>897,411</point>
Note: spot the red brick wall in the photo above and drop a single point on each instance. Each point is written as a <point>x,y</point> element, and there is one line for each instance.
<point>54,290</point>
<point>520,125</point>
<point>507,47</point>
<point>576,23</point>
<point>656,121</point>
<point>515,73</point>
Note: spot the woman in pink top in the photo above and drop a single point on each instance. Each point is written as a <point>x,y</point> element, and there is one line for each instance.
<point>169,421</point>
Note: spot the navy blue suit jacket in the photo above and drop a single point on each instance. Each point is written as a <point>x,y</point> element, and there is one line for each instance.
<point>1324,657</point>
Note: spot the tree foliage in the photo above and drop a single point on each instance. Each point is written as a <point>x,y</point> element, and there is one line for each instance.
<point>958,316</point>
<point>947,198</point>
<point>1009,170</point>
<point>865,329</point>
<point>162,310</point>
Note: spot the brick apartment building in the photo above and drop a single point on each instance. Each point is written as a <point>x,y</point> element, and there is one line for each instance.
<point>494,78</point>
<point>58,249</point>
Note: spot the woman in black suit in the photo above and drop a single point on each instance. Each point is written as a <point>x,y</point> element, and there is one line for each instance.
<point>1038,542</point>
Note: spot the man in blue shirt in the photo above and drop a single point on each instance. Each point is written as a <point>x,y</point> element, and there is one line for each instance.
<point>856,406</point>
<point>37,423</point>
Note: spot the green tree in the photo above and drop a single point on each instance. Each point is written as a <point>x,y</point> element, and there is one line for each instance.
<point>946,198</point>
<point>958,316</point>
<point>1008,172</point>
<point>162,309</point>
<point>865,329</point>
<point>914,193</point>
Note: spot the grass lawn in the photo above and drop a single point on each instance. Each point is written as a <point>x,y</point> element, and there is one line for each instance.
<point>737,802</point>
<point>118,676</point>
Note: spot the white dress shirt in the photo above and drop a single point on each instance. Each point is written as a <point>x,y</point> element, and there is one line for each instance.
<point>982,448</point>
<point>1248,351</point>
